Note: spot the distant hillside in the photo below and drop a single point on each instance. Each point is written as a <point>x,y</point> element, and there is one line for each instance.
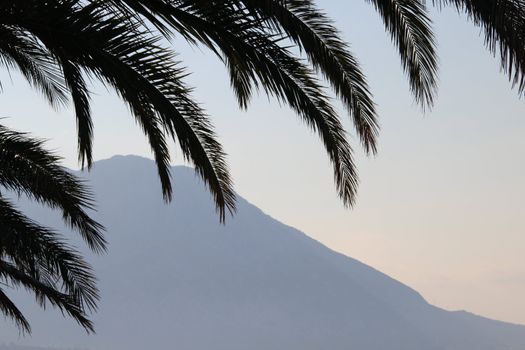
<point>175,278</point>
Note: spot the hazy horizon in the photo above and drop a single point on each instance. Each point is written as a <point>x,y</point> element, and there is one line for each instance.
<point>440,208</point>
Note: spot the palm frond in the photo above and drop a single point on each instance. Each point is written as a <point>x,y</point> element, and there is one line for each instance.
<point>25,166</point>
<point>274,69</point>
<point>314,32</point>
<point>263,63</point>
<point>42,254</point>
<point>503,23</point>
<point>18,50</point>
<point>117,52</point>
<point>45,292</point>
<point>80,95</point>
<point>409,26</point>
<point>10,310</point>
<point>299,21</point>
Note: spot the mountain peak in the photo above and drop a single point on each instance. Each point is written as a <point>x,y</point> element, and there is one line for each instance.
<point>176,277</point>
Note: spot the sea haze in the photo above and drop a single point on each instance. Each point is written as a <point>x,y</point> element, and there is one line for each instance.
<point>174,277</point>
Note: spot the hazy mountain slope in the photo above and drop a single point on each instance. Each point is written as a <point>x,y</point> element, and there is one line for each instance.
<point>175,278</point>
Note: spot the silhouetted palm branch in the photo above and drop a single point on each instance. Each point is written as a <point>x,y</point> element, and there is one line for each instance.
<point>409,26</point>
<point>33,256</point>
<point>117,50</point>
<point>27,167</point>
<point>20,52</point>
<point>503,23</point>
<point>115,42</point>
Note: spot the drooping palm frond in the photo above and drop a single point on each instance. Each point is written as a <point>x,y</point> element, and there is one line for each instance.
<point>503,23</point>
<point>267,65</point>
<point>313,31</point>
<point>10,310</point>
<point>80,95</point>
<point>115,42</point>
<point>217,24</point>
<point>33,256</point>
<point>18,50</point>
<point>25,166</point>
<point>116,50</point>
<point>409,26</point>
<point>44,292</point>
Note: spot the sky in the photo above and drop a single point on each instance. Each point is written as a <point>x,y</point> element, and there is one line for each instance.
<point>440,207</point>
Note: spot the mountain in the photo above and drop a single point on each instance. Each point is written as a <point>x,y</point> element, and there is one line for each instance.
<point>174,278</point>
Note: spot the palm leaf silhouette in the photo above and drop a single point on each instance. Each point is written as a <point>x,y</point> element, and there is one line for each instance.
<point>36,257</point>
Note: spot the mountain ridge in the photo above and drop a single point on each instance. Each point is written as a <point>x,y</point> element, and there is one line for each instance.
<point>175,168</point>
<point>180,278</point>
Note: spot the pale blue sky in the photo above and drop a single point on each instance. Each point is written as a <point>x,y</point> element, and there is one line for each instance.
<point>440,208</point>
